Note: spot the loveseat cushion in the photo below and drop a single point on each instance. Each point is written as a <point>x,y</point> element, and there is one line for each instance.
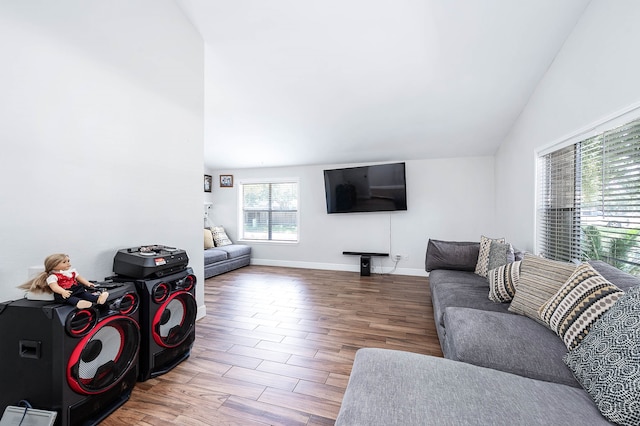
<point>208,239</point>
<point>214,255</point>
<point>390,387</point>
<point>235,250</point>
<point>220,237</point>
<point>506,342</point>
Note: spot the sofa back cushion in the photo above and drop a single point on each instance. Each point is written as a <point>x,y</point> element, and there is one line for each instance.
<point>620,279</point>
<point>455,255</point>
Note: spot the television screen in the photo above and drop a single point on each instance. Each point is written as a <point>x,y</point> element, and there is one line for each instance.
<point>376,188</point>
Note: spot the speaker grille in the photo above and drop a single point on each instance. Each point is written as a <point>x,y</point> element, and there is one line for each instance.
<point>127,304</point>
<point>102,357</point>
<point>188,282</point>
<point>160,292</point>
<point>175,319</point>
<point>81,322</point>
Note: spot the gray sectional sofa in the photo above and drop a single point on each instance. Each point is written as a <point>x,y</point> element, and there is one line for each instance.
<point>500,368</point>
<point>218,260</point>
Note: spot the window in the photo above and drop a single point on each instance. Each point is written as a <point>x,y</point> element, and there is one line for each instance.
<point>589,200</point>
<point>270,211</point>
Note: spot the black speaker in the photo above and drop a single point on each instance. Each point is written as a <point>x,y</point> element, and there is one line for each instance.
<point>168,312</point>
<point>365,266</point>
<point>81,363</point>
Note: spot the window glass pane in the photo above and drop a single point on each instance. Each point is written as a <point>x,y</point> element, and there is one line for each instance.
<point>284,196</point>
<point>270,211</point>
<point>255,196</point>
<point>256,225</point>
<point>284,226</point>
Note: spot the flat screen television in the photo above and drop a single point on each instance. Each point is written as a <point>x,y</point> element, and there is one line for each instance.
<point>376,188</point>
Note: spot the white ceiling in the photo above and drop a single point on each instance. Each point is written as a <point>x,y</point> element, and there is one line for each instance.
<point>298,82</point>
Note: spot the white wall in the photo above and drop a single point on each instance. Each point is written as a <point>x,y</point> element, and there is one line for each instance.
<point>594,76</point>
<point>451,199</point>
<point>101,123</point>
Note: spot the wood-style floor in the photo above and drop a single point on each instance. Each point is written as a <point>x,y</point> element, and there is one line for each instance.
<point>277,346</point>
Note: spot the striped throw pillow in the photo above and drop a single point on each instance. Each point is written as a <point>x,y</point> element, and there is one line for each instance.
<point>540,279</point>
<point>578,304</point>
<point>503,281</point>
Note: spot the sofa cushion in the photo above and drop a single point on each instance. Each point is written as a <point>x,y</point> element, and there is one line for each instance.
<point>389,387</point>
<point>208,239</point>
<point>482,265</point>
<point>539,280</point>
<point>607,362</point>
<point>579,303</point>
<point>235,250</point>
<point>214,255</point>
<point>220,236</point>
<point>456,255</point>
<point>506,342</point>
<point>499,254</point>
<point>620,279</point>
<point>462,289</point>
<point>503,282</point>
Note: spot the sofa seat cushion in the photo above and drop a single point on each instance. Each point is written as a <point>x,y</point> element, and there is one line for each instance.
<point>460,289</point>
<point>214,255</point>
<point>506,342</point>
<point>390,387</point>
<point>235,250</point>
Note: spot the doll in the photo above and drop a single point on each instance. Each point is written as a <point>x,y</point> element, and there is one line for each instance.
<point>65,284</point>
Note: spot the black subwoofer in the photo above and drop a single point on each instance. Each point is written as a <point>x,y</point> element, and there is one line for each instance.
<point>167,321</point>
<point>82,363</point>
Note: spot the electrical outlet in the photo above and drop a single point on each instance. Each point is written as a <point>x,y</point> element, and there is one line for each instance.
<point>399,257</point>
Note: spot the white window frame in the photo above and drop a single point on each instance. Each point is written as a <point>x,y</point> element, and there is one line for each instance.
<point>606,126</point>
<point>240,200</point>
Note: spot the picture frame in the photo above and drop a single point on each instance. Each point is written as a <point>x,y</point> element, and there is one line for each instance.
<point>226,181</point>
<point>208,183</point>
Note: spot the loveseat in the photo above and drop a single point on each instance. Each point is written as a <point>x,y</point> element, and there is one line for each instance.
<point>221,254</point>
<point>502,367</point>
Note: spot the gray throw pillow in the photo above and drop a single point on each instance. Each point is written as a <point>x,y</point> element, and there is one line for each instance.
<point>607,362</point>
<point>499,254</point>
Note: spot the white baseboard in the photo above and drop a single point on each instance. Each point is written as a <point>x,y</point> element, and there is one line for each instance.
<point>202,312</point>
<point>338,267</point>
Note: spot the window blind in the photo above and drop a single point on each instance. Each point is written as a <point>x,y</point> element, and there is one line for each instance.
<point>589,200</point>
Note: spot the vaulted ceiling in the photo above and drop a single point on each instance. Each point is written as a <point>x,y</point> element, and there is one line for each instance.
<point>298,82</point>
